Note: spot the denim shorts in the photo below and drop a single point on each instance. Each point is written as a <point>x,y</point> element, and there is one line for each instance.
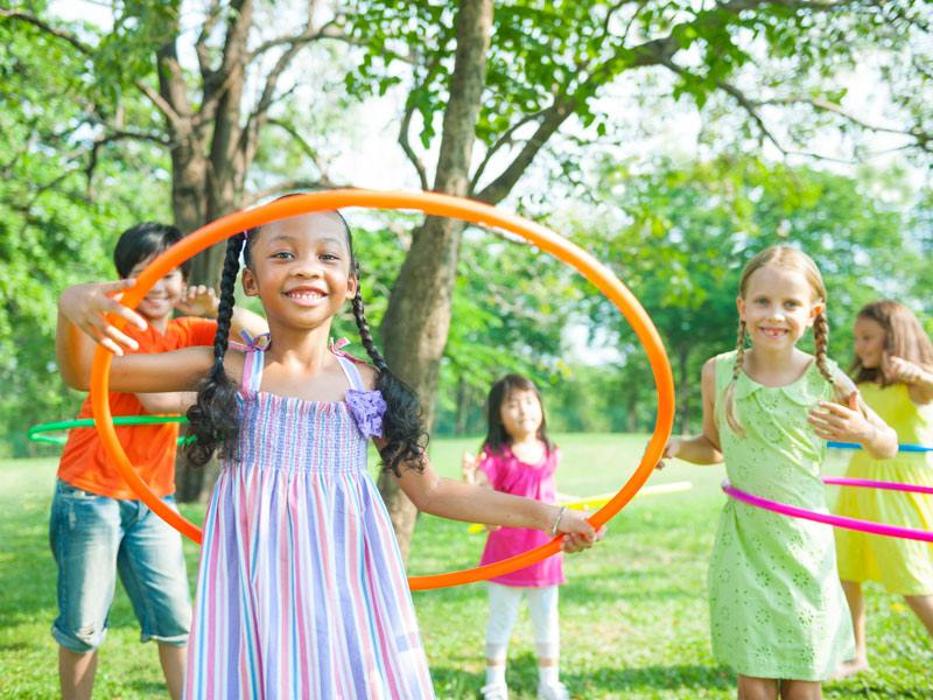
<point>93,538</point>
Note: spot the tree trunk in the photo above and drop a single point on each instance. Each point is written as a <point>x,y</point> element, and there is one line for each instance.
<point>462,418</point>
<point>418,316</point>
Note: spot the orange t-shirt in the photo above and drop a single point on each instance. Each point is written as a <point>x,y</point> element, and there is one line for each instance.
<point>150,448</point>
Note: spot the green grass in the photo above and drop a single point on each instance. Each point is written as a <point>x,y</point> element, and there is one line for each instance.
<point>633,615</point>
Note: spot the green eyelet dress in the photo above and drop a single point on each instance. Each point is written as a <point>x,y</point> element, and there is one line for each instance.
<point>777,609</point>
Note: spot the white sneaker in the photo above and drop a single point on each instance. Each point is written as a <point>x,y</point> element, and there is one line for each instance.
<point>495,691</point>
<point>553,691</point>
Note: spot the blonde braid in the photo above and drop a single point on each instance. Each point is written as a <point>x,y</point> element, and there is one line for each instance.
<point>843,387</point>
<point>821,342</point>
<point>729,394</point>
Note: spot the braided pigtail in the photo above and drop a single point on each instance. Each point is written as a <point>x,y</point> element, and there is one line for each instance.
<point>844,389</point>
<point>729,394</point>
<point>402,426</point>
<point>213,420</point>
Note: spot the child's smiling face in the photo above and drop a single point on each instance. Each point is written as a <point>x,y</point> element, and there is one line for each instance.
<point>301,269</point>
<point>778,306</point>
<point>160,301</point>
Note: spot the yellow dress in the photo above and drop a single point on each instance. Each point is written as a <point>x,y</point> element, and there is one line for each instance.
<point>903,566</point>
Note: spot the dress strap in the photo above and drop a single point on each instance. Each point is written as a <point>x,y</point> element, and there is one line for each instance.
<point>353,374</point>
<point>252,370</point>
<point>254,361</point>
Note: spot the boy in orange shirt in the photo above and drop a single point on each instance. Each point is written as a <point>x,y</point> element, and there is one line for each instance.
<point>98,527</point>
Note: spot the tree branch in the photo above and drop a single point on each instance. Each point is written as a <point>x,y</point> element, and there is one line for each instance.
<point>499,188</point>
<point>505,140</point>
<point>816,5</point>
<point>924,139</point>
<point>409,151</point>
<point>302,143</point>
<point>327,31</point>
<point>84,49</point>
<point>48,29</point>
<point>749,105</point>
<point>200,46</point>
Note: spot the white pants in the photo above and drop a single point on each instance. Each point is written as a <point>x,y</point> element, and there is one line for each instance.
<point>504,602</point>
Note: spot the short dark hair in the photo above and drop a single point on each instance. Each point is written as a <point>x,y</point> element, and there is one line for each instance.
<point>142,240</point>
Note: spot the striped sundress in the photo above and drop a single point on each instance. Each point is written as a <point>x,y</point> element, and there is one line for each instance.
<point>301,589</point>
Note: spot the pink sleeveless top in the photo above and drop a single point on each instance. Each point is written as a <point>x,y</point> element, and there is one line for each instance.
<point>506,473</point>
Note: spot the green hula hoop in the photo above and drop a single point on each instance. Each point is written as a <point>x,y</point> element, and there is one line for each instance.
<point>37,433</point>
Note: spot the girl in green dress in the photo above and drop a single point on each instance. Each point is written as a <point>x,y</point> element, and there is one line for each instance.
<point>777,611</point>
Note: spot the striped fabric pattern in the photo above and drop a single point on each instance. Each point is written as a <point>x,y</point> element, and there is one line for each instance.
<point>301,589</point>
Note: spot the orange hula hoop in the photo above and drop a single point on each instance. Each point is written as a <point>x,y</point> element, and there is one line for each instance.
<point>435,205</point>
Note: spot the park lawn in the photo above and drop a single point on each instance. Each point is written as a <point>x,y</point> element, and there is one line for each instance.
<point>633,614</point>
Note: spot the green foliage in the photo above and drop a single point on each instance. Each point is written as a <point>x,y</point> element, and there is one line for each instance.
<point>57,225</point>
<point>565,52</point>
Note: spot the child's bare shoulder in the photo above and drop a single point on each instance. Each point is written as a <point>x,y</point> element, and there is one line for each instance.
<point>368,374</point>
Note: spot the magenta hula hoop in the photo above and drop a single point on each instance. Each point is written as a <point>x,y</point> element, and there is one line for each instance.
<point>872,484</point>
<point>868,526</point>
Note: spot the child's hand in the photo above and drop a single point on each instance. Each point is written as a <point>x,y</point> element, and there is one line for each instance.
<point>670,451</point>
<point>832,421</point>
<point>579,534</point>
<point>574,542</point>
<point>199,300</point>
<point>86,306</point>
<point>468,465</point>
<point>901,370</point>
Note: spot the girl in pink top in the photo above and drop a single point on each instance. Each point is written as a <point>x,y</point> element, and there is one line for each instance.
<point>518,458</point>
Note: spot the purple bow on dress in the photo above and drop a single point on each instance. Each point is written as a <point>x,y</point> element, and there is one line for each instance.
<point>367,409</point>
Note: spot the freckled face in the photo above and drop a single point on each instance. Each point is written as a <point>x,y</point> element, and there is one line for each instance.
<point>778,306</point>
<point>300,269</point>
<point>869,342</point>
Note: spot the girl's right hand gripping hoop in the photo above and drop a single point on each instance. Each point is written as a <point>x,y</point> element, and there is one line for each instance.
<point>435,205</point>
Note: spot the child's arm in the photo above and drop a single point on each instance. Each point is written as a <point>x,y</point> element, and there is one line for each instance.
<point>174,371</point>
<point>169,402</point>
<point>919,381</point>
<point>452,499</point>
<point>82,320</point>
<point>703,448</point>
<point>833,421</point>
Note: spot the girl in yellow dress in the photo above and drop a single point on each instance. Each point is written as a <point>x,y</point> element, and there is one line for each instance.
<point>893,368</point>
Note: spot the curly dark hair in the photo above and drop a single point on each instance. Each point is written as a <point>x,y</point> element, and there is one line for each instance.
<point>214,419</point>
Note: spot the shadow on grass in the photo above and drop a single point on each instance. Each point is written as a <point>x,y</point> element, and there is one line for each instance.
<point>522,679</point>
<point>674,677</point>
<point>155,689</point>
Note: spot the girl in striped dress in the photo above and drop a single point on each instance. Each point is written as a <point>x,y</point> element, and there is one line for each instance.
<point>301,590</point>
